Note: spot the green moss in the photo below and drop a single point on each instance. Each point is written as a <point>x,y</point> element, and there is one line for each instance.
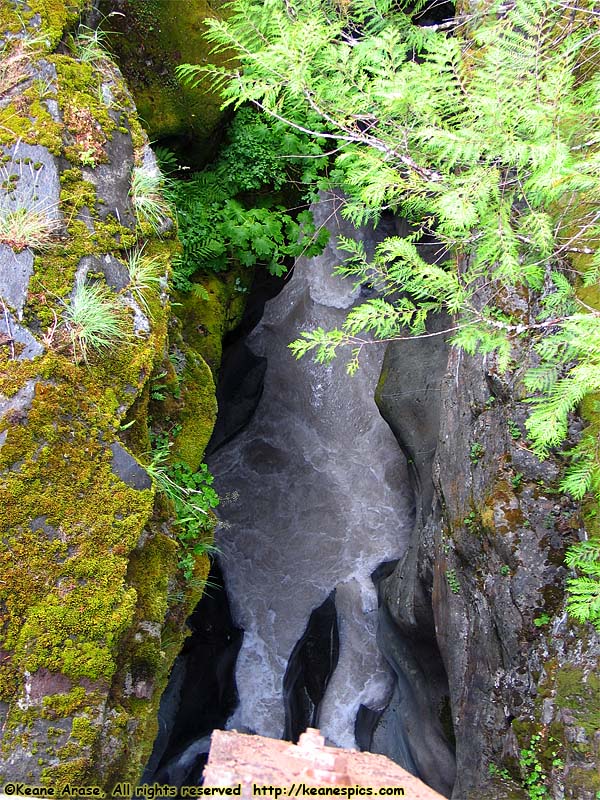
<point>56,706</point>
<point>199,411</point>
<point>576,696</point>
<point>56,15</point>
<point>580,693</point>
<point>87,120</point>
<point>77,556</point>
<point>29,120</point>
<point>165,599</point>
<point>101,580</point>
<point>72,771</point>
<point>149,571</point>
<point>206,322</point>
<point>76,193</point>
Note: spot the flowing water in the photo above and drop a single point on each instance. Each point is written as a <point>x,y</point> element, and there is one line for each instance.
<point>316,497</point>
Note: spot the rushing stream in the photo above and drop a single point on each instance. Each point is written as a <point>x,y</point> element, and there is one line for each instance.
<point>317,499</point>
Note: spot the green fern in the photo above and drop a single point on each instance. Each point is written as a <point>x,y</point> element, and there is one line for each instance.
<point>216,226</point>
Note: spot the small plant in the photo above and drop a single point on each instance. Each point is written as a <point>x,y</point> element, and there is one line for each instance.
<point>517,480</point>
<point>23,227</point>
<point>91,46</point>
<point>495,771</point>
<point>87,158</point>
<point>145,274</point>
<point>584,591</point>
<point>167,160</point>
<point>542,620</point>
<point>220,225</point>
<point>470,521</point>
<point>158,389</point>
<point>193,497</point>
<point>93,320</point>
<point>453,581</point>
<point>514,429</point>
<point>476,452</point>
<point>44,87</point>
<point>504,570</point>
<point>532,771</point>
<point>146,192</point>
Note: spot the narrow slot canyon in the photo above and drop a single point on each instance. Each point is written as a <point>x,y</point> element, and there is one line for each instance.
<point>211,546</point>
<point>317,507</point>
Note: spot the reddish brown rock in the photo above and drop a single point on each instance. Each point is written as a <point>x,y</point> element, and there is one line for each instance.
<point>258,763</point>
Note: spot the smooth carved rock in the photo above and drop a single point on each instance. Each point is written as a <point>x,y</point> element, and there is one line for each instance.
<point>127,468</point>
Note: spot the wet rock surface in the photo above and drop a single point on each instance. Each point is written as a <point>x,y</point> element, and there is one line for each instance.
<point>309,669</point>
<point>201,692</point>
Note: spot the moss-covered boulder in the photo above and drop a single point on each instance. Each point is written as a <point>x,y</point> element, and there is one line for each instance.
<point>92,601</point>
<point>151,38</point>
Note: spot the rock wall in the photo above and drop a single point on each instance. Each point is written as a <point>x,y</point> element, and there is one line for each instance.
<point>92,603</point>
<point>151,38</point>
<point>483,581</point>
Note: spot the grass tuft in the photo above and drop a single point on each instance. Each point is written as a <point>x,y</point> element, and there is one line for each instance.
<point>94,320</point>
<point>145,272</point>
<point>151,208</point>
<point>23,227</point>
<point>91,46</point>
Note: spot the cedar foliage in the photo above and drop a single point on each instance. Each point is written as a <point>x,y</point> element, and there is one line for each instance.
<point>489,142</point>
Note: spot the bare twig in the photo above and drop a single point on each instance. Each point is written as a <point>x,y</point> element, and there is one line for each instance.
<point>9,338</point>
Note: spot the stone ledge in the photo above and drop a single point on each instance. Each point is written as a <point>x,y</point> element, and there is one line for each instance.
<point>237,758</point>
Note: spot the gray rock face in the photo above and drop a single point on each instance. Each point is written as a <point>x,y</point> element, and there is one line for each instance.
<point>410,730</point>
<point>112,180</point>
<point>318,498</point>
<point>127,468</point>
<point>14,277</point>
<point>32,185</point>
<point>408,398</point>
<point>114,271</point>
<point>484,562</point>
<point>11,331</point>
<point>32,175</point>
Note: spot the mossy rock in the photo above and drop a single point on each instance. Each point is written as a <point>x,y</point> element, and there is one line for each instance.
<point>92,601</point>
<point>207,320</point>
<point>70,596</point>
<point>199,412</point>
<point>152,39</point>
